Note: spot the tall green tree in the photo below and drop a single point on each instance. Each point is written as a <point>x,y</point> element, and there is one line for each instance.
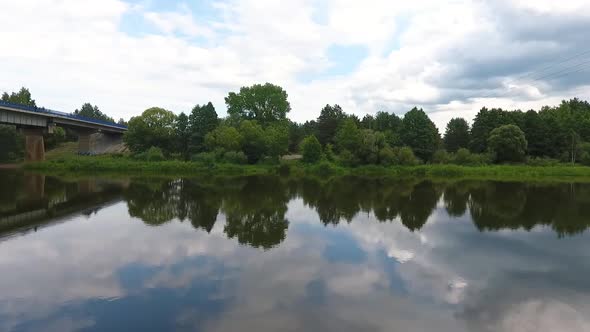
<point>264,103</point>
<point>368,122</point>
<point>372,142</point>
<point>349,137</point>
<point>89,111</point>
<point>224,137</point>
<point>485,121</point>
<point>508,143</point>
<point>277,139</point>
<point>182,135</point>
<point>419,133</point>
<point>385,121</point>
<point>154,127</point>
<point>253,140</point>
<point>202,120</point>
<point>311,149</point>
<point>537,135</point>
<point>328,122</point>
<point>456,135</point>
<point>22,97</point>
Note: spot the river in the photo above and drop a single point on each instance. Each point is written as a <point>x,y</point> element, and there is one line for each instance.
<point>266,253</point>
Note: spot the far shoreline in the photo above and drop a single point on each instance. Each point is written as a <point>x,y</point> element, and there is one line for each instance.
<point>121,165</point>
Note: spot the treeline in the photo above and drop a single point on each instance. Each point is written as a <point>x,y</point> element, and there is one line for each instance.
<point>257,130</point>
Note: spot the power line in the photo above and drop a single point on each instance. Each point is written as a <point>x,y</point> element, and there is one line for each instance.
<point>559,73</point>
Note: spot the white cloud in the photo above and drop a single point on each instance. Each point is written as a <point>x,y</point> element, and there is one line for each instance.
<point>69,52</point>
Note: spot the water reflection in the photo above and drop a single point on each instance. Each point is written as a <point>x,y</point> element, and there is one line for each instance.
<point>254,207</point>
<point>272,253</point>
<point>29,200</point>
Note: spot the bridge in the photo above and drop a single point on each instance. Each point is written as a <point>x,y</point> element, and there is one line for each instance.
<point>94,136</point>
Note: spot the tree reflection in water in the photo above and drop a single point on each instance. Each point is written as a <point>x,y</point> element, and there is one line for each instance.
<point>254,208</point>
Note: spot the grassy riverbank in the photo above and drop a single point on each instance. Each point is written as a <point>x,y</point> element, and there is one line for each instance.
<point>126,165</point>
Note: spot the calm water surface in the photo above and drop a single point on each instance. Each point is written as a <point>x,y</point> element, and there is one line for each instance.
<point>272,254</point>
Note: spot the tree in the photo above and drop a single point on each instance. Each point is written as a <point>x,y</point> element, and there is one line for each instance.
<point>368,122</point>
<point>12,144</point>
<point>22,97</point>
<point>311,149</point>
<point>371,143</point>
<point>485,121</point>
<point>264,103</point>
<point>328,123</point>
<point>182,134</point>
<point>387,122</point>
<point>277,139</point>
<point>536,134</point>
<point>154,127</point>
<point>508,143</point>
<point>54,139</point>
<point>253,140</point>
<point>89,111</point>
<point>419,133</point>
<point>202,120</point>
<point>348,137</point>
<point>456,135</point>
<point>224,137</point>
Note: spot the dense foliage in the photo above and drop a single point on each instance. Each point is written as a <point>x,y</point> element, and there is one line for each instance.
<point>89,111</point>
<point>507,143</point>
<point>264,103</point>
<point>456,135</point>
<point>311,149</point>
<point>154,128</point>
<point>256,130</point>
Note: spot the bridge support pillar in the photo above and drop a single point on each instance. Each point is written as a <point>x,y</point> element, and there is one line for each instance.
<point>84,141</point>
<point>92,142</point>
<point>34,144</point>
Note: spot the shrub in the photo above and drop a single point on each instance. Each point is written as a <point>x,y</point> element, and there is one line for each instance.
<point>463,157</point>
<point>329,152</point>
<point>152,154</point>
<point>176,156</point>
<point>441,157</point>
<point>207,158</point>
<point>284,169</point>
<point>508,143</point>
<point>311,149</point>
<point>324,169</point>
<point>347,158</point>
<point>406,157</point>
<point>224,137</point>
<point>584,154</point>
<point>234,157</point>
<point>387,156</point>
<point>542,161</point>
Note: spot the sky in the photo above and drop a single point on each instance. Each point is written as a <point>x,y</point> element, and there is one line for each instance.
<point>448,57</point>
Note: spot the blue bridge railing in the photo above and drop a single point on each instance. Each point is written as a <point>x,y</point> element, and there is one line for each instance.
<point>46,111</point>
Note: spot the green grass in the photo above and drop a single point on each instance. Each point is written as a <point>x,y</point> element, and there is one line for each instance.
<point>63,150</point>
<point>68,164</point>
